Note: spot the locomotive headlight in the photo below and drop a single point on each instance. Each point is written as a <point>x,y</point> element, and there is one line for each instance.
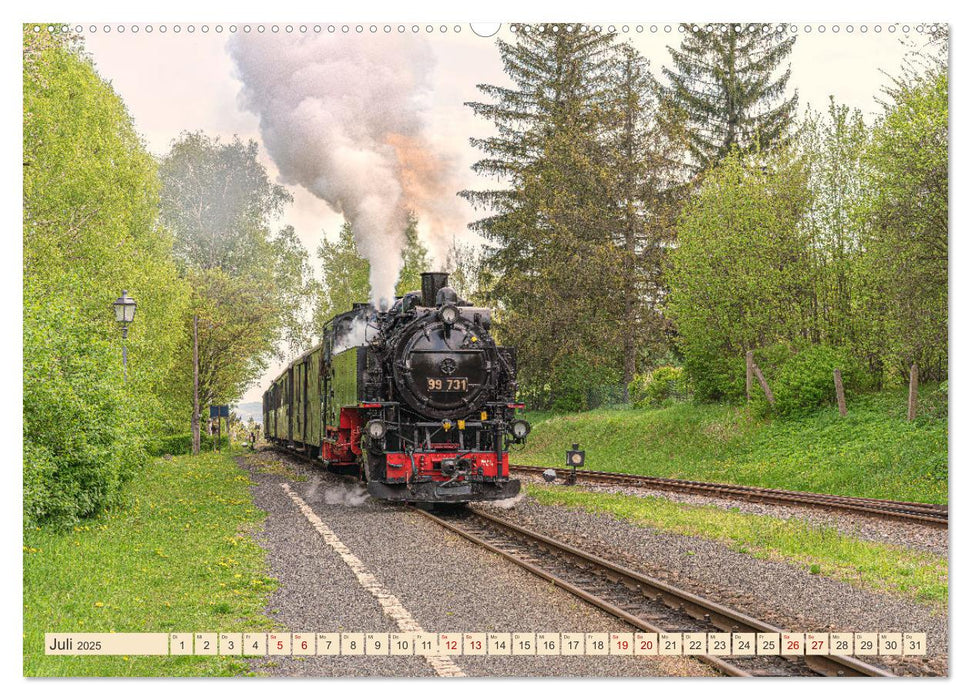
<point>376,429</point>
<point>449,314</point>
<point>519,428</point>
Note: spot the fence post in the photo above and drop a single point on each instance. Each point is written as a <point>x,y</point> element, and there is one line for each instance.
<point>749,364</point>
<point>912,396</point>
<point>765,384</point>
<point>840,396</point>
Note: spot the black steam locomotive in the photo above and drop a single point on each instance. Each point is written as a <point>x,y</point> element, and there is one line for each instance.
<point>418,401</point>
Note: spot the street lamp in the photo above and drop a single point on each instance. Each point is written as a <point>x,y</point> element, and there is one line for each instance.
<point>124,314</point>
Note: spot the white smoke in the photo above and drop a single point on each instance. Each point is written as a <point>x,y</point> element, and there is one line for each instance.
<point>342,494</point>
<point>355,335</point>
<point>351,495</point>
<point>345,117</point>
<point>508,503</point>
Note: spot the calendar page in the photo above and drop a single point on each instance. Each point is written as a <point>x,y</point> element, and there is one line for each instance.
<point>596,347</point>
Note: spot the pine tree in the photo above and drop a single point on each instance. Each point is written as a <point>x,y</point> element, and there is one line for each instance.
<point>560,72</point>
<point>552,249</point>
<point>726,82</point>
<point>647,174</point>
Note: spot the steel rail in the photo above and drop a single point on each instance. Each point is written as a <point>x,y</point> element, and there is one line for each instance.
<point>925,513</point>
<point>719,616</point>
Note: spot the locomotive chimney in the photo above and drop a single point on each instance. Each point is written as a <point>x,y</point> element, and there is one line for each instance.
<point>431,282</point>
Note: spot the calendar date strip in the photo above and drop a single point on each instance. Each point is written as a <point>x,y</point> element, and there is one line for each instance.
<point>719,644</point>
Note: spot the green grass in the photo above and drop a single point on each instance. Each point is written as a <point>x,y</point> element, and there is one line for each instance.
<point>873,451</point>
<point>177,557</point>
<point>820,550</point>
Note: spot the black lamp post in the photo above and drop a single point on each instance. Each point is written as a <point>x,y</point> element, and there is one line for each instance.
<point>124,314</point>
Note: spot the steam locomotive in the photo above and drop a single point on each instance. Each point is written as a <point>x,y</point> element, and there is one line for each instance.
<point>417,401</point>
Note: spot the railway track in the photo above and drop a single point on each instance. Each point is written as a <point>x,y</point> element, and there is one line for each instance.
<point>643,602</point>
<point>924,513</point>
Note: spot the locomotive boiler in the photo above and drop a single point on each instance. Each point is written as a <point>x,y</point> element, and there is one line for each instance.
<point>417,401</point>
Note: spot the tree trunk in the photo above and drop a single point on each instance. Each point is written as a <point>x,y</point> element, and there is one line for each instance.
<point>195,385</point>
<point>630,367</point>
<point>840,396</point>
<point>765,384</point>
<point>912,398</point>
<point>749,364</point>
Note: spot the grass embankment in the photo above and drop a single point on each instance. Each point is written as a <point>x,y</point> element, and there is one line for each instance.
<point>821,550</point>
<point>177,557</point>
<point>873,451</point>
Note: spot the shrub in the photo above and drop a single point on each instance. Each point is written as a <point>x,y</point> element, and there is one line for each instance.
<point>578,384</point>
<point>772,358</point>
<point>933,404</point>
<point>663,384</point>
<point>713,376</point>
<point>82,430</point>
<point>805,381</point>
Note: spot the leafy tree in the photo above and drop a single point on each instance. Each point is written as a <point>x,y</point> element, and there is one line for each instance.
<point>293,285</point>
<point>218,199</point>
<point>91,230</point>
<point>345,277</point>
<point>726,81</point>
<point>234,336</point>
<point>834,145</point>
<point>741,275</point>
<point>219,202</point>
<point>414,260</point>
<point>468,274</point>
<point>903,274</point>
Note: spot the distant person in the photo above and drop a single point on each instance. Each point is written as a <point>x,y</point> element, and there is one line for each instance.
<point>252,440</point>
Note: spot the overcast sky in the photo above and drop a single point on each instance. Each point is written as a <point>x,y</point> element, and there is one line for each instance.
<point>177,82</point>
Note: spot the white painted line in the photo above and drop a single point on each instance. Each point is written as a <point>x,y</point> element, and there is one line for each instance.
<point>442,665</point>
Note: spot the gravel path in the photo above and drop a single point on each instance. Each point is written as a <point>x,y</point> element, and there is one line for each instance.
<point>445,582</point>
<point>872,529</point>
<point>779,593</point>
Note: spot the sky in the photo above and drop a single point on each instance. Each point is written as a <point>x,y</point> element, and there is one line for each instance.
<point>175,82</point>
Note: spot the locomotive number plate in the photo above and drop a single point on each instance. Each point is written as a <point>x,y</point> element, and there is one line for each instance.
<point>452,384</point>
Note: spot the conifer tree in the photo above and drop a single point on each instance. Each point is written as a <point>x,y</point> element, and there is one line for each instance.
<point>646,172</point>
<point>552,248</point>
<point>726,81</point>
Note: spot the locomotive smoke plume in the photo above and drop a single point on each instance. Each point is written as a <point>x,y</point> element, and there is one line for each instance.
<point>351,495</point>
<point>345,117</point>
<point>354,330</point>
<point>353,336</point>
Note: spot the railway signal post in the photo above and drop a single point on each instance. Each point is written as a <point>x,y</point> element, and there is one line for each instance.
<point>574,459</point>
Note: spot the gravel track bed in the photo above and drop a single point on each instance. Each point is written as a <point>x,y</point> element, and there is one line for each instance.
<point>871,529</point>
<point>776,592</point>
<point>445,582</point>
